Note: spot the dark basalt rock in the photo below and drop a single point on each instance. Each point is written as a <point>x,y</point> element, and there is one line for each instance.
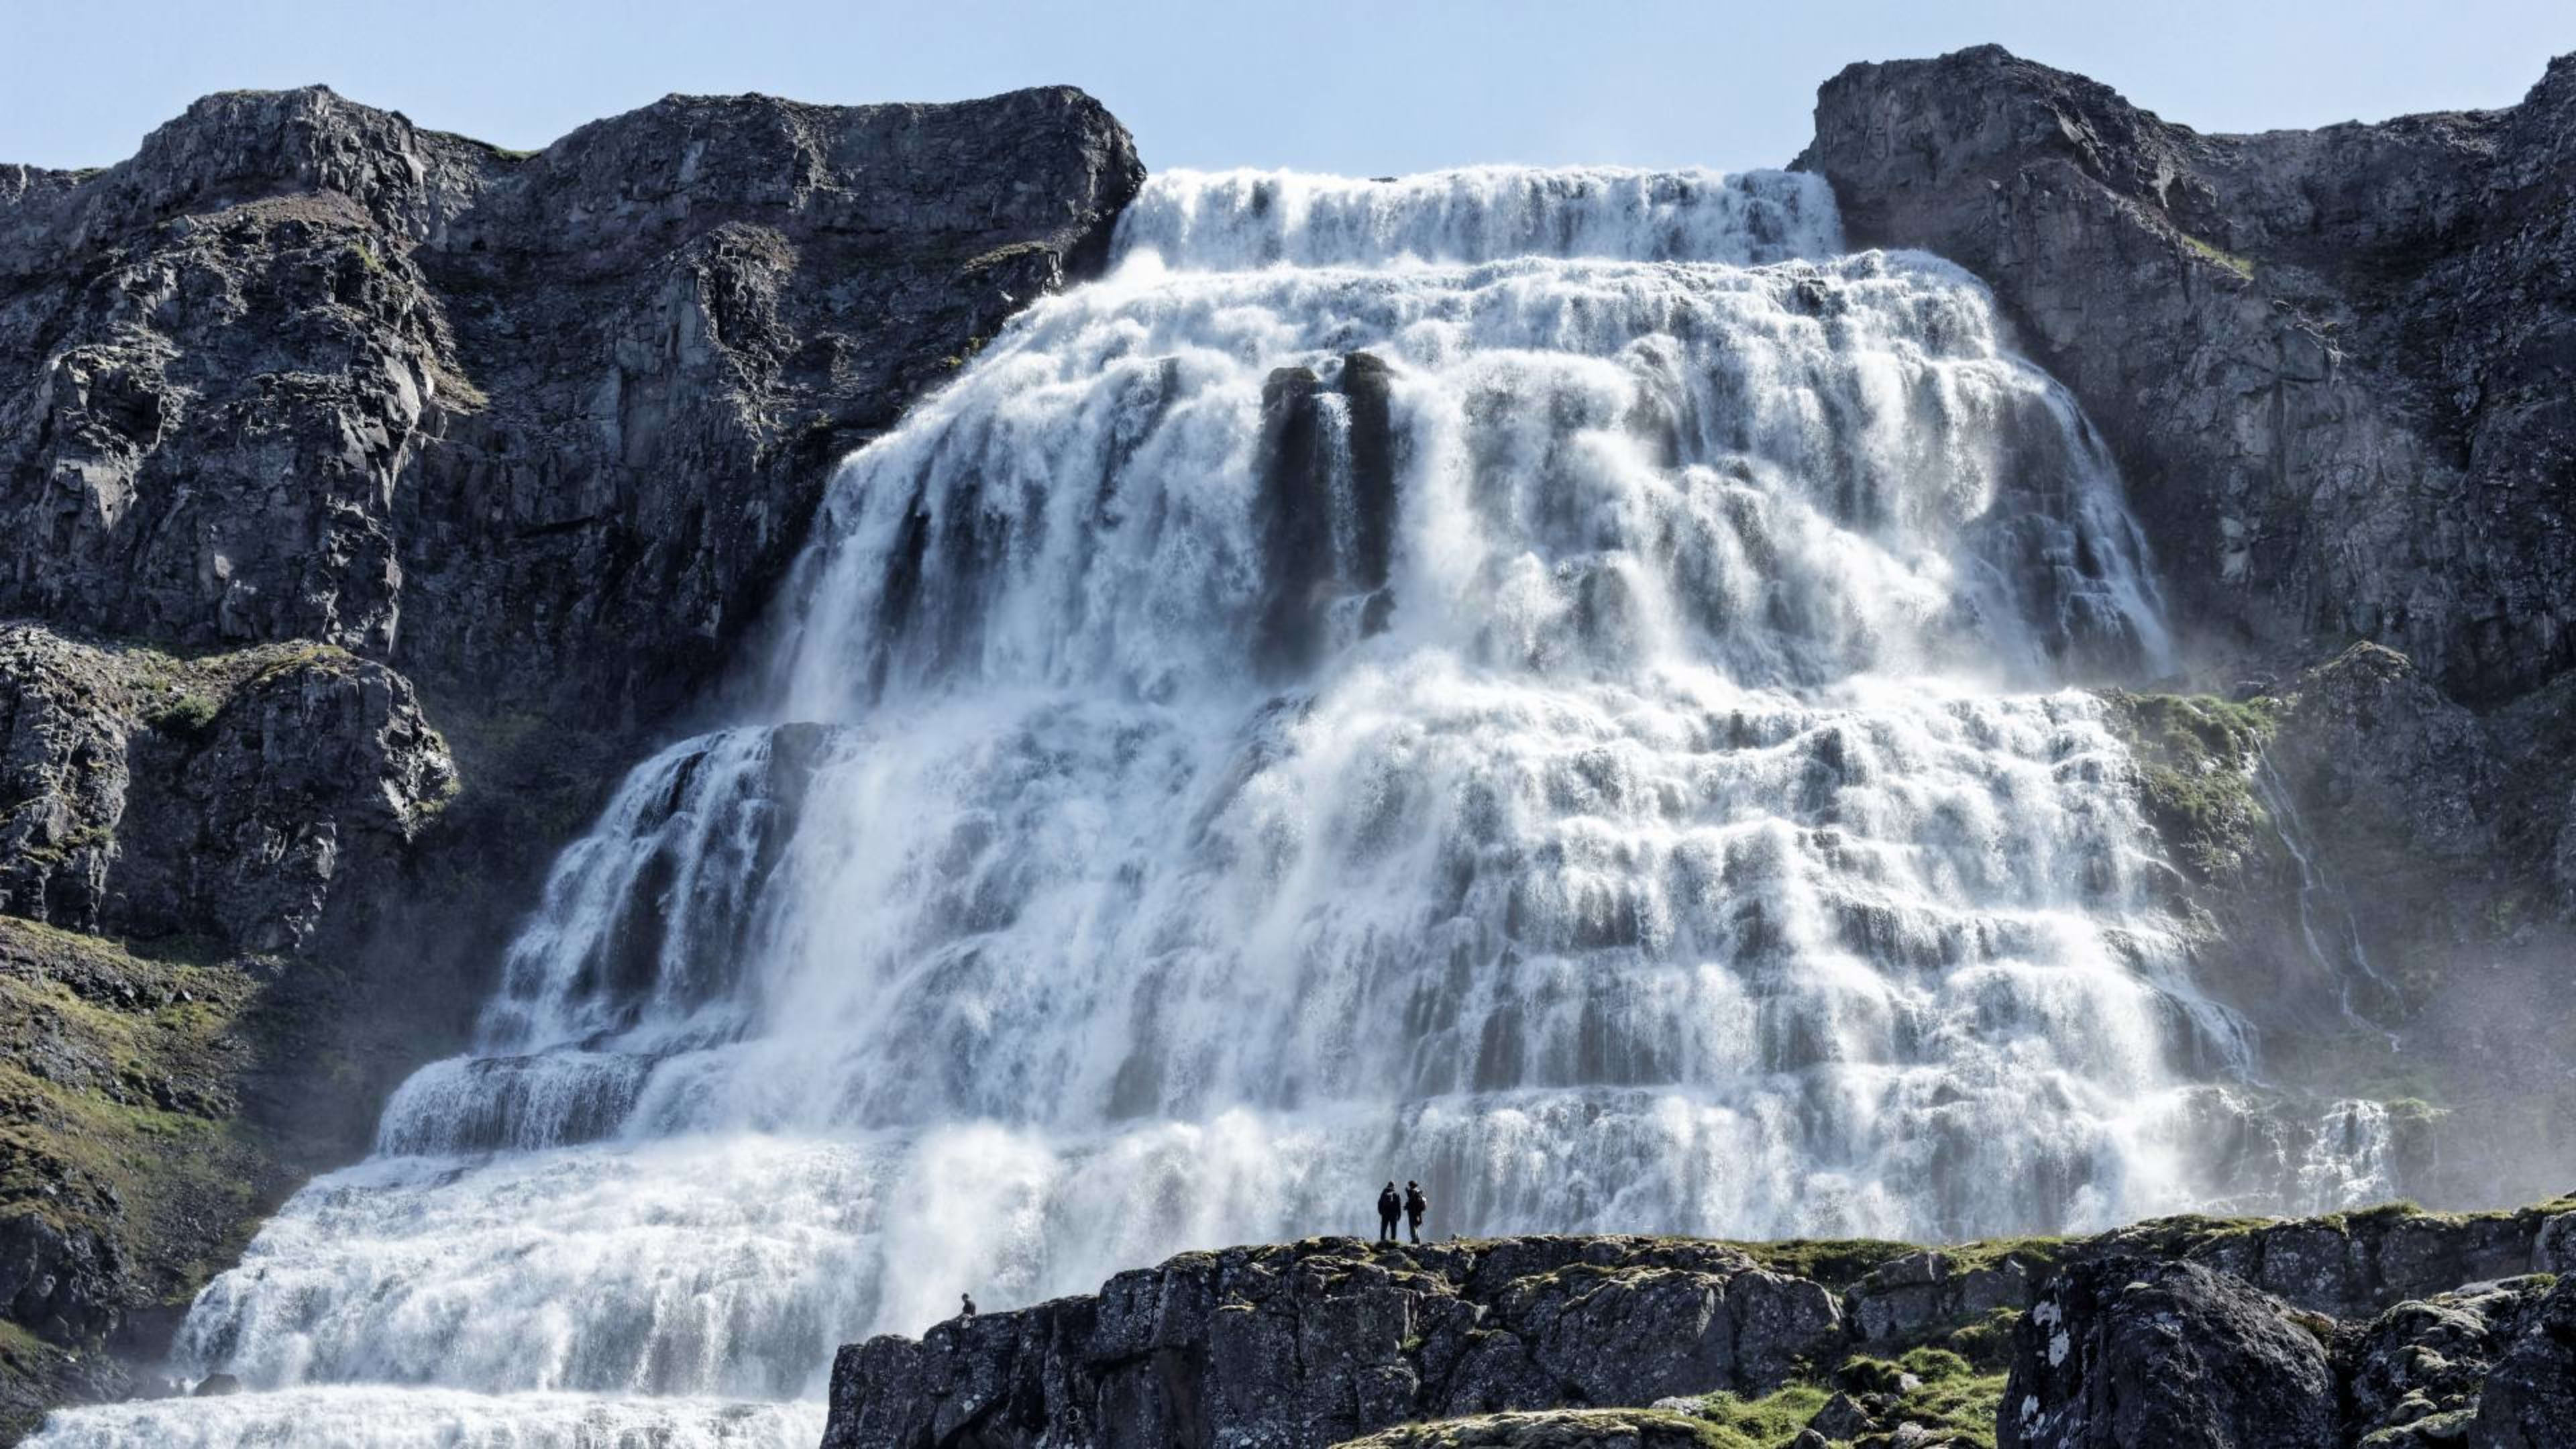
<point>1321,1341</point>
<point>227,798</point>
<point>2414,1375</point>
<point>535,429</point>
<point>2152,1335</point>
<point>2122,1353</point>
<point>2529,1401</point>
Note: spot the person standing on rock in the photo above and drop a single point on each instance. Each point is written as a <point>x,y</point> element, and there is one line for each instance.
<point>1388,1206</point>
<point>966,1307</point>
<point>1415,1205</point>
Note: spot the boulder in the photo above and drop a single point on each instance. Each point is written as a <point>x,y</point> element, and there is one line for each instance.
<point>2127,1353</point>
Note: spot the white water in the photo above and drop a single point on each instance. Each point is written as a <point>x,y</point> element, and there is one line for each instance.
<point>1616,770</point>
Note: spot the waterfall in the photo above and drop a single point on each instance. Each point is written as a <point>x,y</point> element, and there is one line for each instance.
<point>1553,684</point>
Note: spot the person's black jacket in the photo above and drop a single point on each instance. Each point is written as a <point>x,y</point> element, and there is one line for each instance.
<point>1415,1204</point>
<point>1388,1204</point>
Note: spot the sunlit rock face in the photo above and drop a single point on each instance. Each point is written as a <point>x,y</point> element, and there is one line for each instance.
<point>1552,684</point>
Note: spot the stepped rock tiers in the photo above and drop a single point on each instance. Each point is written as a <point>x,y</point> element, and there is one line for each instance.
<point>2394,1327</point>
<point>1143,705</point>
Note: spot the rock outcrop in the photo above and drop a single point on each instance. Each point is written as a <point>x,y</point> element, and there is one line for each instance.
<point>1321,1341</point>
<point>2529,1399</point>
<point>227,798</point>
<point>2123,1352</point>
<point>129,1158</point>
<point>2179,1331</point>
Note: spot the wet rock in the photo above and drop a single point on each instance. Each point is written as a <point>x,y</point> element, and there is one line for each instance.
<point>2125,1353</point>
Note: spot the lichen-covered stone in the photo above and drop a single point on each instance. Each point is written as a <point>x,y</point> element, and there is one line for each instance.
<point>2529,1399</point>
<point>2126,1353</point>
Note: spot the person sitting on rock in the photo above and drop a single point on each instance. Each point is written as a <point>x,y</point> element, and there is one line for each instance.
<point>1388,1205</point>
<point>966,1306</point>
<point>1415,1205</point>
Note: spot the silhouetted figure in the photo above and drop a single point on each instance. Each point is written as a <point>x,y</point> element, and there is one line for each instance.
<point>966,1306</point>
<point>1415,1205</point>
<point>1388,1206</point>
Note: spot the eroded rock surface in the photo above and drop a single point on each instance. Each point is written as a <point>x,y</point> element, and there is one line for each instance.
<point>225,798</point>
<point>2129,1353</point>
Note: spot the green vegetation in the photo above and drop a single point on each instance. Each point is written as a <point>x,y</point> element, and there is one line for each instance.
<point>2241,266</point>
<point>1761,1423</point>
<point>122,1128</point>
<point>2196,756</point>
<point>186,715</point>
<point>1835,1262</point>
<point>1934,1389</point>
<point>1951,1398</point>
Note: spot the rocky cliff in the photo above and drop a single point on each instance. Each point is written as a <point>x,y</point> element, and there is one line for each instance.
<point>531,428</point>
<point>2333,364</point>
<point>2401,1327</point>
<point>369,497</point>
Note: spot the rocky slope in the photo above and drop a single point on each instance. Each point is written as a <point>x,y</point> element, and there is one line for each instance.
<point>369,498</point>
<point>2397,1326</point>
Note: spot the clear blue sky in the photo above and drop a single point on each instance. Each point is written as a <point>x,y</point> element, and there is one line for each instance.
<point>1324,85</point>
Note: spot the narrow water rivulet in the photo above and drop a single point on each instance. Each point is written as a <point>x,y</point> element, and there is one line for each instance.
<point>1555,684</point>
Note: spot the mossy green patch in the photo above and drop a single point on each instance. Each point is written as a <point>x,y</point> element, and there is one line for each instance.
<point>2195,757</point>
<point>2243,267</point>
<point>1765,1422</point>
<point>118,1117</point>
<point>185,714</point>
<point>1834,1262</point>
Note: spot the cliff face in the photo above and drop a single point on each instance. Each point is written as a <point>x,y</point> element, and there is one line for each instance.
<point>368,498</point>
<point>2334,364</point>
<point>533,429</point>
<point>2313,1332</point>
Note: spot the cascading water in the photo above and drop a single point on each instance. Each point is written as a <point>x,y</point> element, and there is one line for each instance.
<point>1547,683</point>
